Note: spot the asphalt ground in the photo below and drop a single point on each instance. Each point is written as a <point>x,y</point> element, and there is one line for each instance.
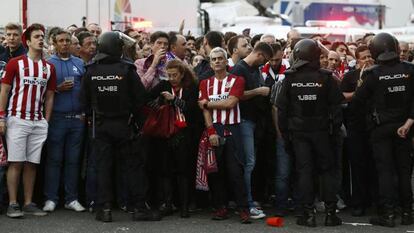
<point>64,221</point>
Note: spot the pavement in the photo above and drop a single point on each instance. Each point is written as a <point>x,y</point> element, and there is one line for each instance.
<point>65,221</point>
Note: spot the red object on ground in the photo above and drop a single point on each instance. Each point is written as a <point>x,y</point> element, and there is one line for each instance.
<point>275,221</point>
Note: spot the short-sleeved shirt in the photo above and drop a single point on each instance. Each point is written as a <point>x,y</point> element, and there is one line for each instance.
<point>250,109</point>
<point>29,80</point>
<point>213,90</point>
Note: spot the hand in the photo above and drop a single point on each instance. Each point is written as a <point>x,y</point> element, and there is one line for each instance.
<point>2,127</point>
<point>263,91</point>
<point>181,28</point>
<point>167,95</point>
<point>158,56</point>
<point>214,139</point>
<point>65,86</point>
<point>403,130</point>
<point>201,103</point>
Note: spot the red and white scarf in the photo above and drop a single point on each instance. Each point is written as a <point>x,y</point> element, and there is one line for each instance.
<point>179,116</point>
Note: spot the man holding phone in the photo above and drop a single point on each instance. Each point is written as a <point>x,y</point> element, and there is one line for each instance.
<point>66,127</point>
<point>152,69</point>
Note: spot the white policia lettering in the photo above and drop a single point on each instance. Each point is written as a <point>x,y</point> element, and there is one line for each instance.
<point>108,88</point>
<point>395,76</point>
<point>307,97</point>
<point>396,89</point>
<point>105,78</point>
<point>306,84</point>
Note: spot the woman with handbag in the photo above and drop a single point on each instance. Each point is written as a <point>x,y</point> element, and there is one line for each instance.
<point>170,128</point>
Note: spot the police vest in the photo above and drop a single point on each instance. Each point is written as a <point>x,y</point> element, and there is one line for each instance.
<point>111,88</point>
<point>392,97</point>
<point>309,107</point>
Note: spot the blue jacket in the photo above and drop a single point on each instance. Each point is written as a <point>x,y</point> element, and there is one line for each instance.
<point>68,101</point>
<point>6,55</point>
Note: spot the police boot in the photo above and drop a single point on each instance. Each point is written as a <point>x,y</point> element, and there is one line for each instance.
<point>406,217</point>
<point>308,218</point>
<point>104,214</point>
<point>144,214</point>
<point>331,219</point>
<point>385,217</point>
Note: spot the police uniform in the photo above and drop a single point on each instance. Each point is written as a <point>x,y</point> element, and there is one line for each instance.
<point>304,104</point>
<point>388,89</point>
<point>112,91</point>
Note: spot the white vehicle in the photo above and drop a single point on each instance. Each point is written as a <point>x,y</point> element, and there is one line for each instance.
<point>346,34</point>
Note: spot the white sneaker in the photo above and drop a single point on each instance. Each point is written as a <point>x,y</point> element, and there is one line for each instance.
<point>75,205</point>
<point>49,206</point>
<point>256,214</point>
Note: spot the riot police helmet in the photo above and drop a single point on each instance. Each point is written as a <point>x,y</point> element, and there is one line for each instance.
<point>305,51</point>
<point>384,47</point>
<point>110,44</point>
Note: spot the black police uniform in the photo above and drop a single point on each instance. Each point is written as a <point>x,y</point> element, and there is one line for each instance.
<point>388,90</point>
<point>112,91</point>
<point>304,104</point>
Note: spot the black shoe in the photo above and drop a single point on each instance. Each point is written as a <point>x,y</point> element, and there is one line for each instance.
<point>331,219</point>
<point>406,218</point>
<point>184,213</point>
<point>104,215</point>
<point>358,212</point>
<point>146,215</point>
<point>166,209</point>
<point>384,220</point>
<point>308,218</point>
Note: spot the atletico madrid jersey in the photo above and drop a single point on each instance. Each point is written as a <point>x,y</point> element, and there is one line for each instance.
<point>29,80</point>
<point>214,90</point>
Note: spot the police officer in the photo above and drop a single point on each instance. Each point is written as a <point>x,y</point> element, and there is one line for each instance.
<point>111,92</point>
<point>388,89</point>
<point>306,98</point>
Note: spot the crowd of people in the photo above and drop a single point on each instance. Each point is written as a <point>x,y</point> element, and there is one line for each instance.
<point>149,122</point>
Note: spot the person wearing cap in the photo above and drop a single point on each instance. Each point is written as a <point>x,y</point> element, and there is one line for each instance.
<point>27,90</point>
<point>66,127</point>
<point>304,102</point>
<point>112,92</point>
<point>387,90</point>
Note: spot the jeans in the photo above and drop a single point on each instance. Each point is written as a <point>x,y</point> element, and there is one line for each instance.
<point>283,169</point>
<point>247,133</point>
<point>64,150</point>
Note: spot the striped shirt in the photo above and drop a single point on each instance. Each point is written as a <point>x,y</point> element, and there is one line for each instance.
<point>214,90</point>
<point>29,80</point>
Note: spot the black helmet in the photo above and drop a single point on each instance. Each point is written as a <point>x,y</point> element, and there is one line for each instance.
<point>384,47</point>
<point>109,44</point>
<point>304,52</point>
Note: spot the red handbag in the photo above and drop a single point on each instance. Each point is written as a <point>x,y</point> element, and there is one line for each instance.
<point>161,123</point>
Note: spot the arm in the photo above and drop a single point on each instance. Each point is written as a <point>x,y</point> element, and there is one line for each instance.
<point>146,77</point>
<point>228,103</point>
<point>4,94</point>
<point>49,104</point>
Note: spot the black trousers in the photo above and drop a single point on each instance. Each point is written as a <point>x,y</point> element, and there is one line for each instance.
<point>113,145</point>
<point>363,172</point>
<point>314,155</point>
<point>230,168</point>
<point>171,165</point>
<point>393,162</point>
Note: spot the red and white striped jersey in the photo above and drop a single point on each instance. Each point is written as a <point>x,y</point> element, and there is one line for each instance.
<point>29,80</point>
<point>213,90</point>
